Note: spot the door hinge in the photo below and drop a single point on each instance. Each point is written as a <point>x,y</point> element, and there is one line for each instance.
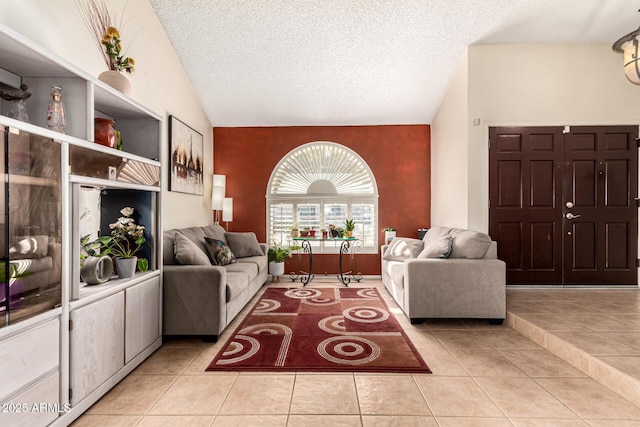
<point>489,144</point>
<point>637,199</point>
<point>70,394</point>
<point>638,263</point>
<point>70,325</point>
<point>566,129</point>
<point>489,203</point>
<point>638,142</point>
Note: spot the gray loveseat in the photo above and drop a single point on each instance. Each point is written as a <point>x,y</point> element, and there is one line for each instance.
<point>450,273</point>
<point>201,298</point>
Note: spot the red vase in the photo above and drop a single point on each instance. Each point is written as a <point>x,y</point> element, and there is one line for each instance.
<point>103,133</point>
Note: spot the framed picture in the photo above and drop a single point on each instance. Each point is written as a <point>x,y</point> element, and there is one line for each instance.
<point>186,151</point>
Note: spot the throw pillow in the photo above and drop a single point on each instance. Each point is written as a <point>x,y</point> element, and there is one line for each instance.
<point>220,253</point>
<point>188,253</point>
<point>244,244</point>
<point>440,248</point>
<point>469,244</point>
<point>402,248</point>
<point>30,247</point>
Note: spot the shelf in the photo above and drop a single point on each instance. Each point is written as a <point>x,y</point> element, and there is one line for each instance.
<point>91,293</point>
<point>110,183</point>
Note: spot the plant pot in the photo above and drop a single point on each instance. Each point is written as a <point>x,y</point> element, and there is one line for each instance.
<point>389,236</point>
<point>116,80</point>
<point>276,268</point>
<point>312,233</point>
<point>349,233</point>
<point>295,233</point>
<point>96,270</point>
<point>126,267</point>
<point>325,234</point>
<point>304,233</point>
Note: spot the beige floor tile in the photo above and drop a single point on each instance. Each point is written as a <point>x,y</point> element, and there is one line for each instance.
<point>590,399</point>
<point>630,365</point>
<point>194,395</point>
<point>507,340</point>
<point>612,423</point>
<point>632,321</point>
<point>133,395</point>
<point>461,339</point>
<point>324,394</point>
<point>548,422</point>
<point>519,307</point>
<point>324,420</point>
<point>631,339</point>
<point>199,364</point>
<point>457,397</point>
<point>88,420</point>
<point>487,363</point>
<point>250,420</point>
<point>176,421</point>
<point>473,422</point>
<point>596,343</point>
<point>541,363</point>
<point>390,395</point>
<point>553,322</point>
<point>184,341</point>
<point>259,394</point>
<point>168,360</point>
<point>523,397</point>
<point>442,362</point>
<point>597,321</point>
<point>423,339</point>
<point>398,421</point>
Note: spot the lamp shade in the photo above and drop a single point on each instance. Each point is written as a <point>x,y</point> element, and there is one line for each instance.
<point>217,196</point>
<point>628,46</point>
<point>219,180</point>
<point>227,209</point>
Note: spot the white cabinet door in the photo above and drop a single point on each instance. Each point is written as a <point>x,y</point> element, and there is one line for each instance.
<point>97,344</point>
<point>38,405</point>
<point>142,317</point>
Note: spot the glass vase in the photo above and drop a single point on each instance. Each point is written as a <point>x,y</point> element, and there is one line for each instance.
<point>55,111</point>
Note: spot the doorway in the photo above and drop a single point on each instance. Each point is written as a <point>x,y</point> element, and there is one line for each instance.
<point>563,203</point>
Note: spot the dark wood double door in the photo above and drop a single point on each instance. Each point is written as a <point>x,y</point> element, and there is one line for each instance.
<point>563,203</point>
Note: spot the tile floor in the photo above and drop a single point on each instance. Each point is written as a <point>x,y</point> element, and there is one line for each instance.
<point>483,375</point>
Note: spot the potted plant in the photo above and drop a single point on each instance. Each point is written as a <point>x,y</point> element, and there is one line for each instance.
<point>324,232</point>
<point>304,232</point>
<point>277,255</point>
<point>389,234</point>
<point>127,239</point>
<point>349,226</point>
<point>294,230</point>
<point>312,232</point>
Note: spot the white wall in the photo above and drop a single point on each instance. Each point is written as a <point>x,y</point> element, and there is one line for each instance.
<point>533,85</point>
<point>159,81</point>
<point>449,148</point>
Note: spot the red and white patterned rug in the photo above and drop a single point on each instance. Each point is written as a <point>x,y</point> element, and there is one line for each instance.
<point>319,329</point>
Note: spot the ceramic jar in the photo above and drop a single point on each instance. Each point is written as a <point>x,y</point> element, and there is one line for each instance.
<point>103,132</point>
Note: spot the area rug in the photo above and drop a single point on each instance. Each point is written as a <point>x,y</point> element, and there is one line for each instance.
<point>319,329</point>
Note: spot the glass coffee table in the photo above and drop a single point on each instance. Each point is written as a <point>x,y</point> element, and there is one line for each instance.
<point>349,246</point>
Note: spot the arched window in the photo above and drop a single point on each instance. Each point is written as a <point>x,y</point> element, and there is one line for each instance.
<point>318,184</point>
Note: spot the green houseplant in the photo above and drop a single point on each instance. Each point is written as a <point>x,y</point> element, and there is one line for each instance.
<point>127,239</point>
<point>349,226</point>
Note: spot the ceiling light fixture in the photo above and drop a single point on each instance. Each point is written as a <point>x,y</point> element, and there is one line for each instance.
<point>628,46</point>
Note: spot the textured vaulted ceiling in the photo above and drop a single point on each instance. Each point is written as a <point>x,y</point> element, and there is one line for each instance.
<point>357,62</point>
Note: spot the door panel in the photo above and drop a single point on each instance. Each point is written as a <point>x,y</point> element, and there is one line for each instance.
<point>526,195</point>
<point>534,172</point>
<point>602,177</point>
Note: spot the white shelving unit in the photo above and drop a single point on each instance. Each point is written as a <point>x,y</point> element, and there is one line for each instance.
<point>72,353</point>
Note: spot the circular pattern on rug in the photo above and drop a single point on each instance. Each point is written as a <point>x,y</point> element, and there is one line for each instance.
<point>366,314</point>
<point>368,293</point>
<point>349,350</point>
<point>302,293</point>
<point>332,324</point>
<point>266,306</point>
<point>239,350</point>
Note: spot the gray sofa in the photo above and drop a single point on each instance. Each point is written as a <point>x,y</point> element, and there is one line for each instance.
<point>450,273</point>
<point>201,298</point>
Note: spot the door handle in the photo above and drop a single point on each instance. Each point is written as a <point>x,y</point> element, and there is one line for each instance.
<point>572,216</point>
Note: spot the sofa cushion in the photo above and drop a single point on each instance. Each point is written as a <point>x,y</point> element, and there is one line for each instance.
<point>244,244</point>
<point>469,244</point>
<point>219,252</point>
<point>435,233</point>
<point>396,271</point>
<point>402,248</point>
<point>236,283</point>
<point>188,253</point>
<point>260,261</point>
<point>248,268</point>
<point>440,248</point>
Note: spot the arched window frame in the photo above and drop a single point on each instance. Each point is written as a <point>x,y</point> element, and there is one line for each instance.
<point>285,209</point>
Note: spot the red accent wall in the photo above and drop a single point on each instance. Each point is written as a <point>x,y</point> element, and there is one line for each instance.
<point>398,155</point>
